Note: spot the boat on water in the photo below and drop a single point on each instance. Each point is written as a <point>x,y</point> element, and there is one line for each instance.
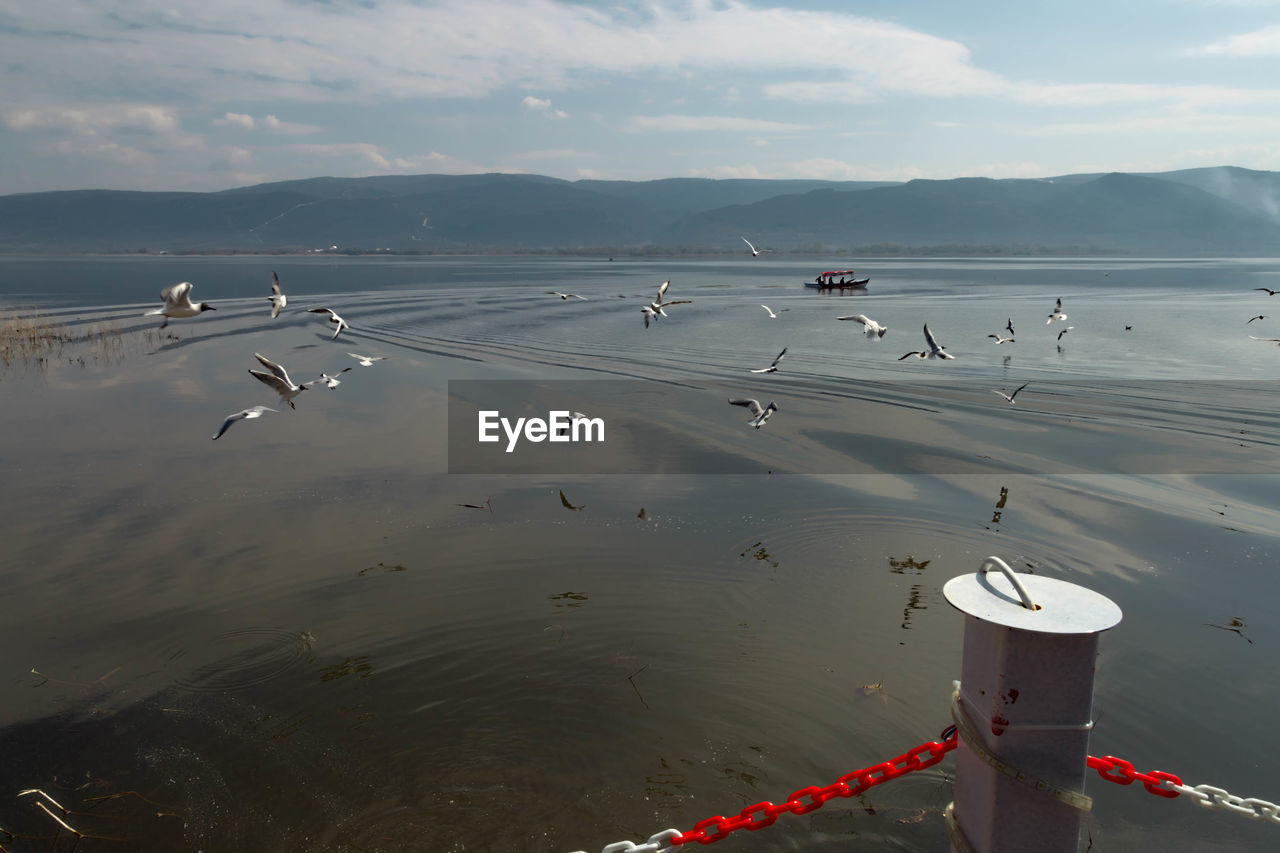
<point>833,279</point>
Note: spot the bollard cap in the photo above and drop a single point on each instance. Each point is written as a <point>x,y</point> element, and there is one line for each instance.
<point>1061,607</point>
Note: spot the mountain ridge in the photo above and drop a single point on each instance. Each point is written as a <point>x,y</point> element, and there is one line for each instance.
<point>1214,210</point>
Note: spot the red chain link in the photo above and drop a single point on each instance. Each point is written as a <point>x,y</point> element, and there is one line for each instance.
<point>1122,773</point>
<point>807,799</point>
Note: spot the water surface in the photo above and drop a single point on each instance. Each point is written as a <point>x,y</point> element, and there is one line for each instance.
<point>294,638</point>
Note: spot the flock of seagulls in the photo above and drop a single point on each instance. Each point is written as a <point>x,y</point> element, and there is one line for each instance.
<point>178,305</point>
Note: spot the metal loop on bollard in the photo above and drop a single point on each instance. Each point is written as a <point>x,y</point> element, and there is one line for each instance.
<point>996,562</point>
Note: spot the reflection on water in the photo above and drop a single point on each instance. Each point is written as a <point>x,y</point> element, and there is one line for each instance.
<point>296,642</point>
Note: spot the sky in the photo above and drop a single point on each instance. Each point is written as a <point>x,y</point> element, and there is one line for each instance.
<point>170,95</point>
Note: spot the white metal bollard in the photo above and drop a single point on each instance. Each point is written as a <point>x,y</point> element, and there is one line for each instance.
<point>1023,709</point>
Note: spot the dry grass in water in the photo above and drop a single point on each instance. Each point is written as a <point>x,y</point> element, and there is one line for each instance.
<point>37,341</point>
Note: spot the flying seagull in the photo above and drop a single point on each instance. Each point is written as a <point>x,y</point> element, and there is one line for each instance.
<point>255,412</point>
<point>1246,322</point>
<point>773,368</point>
<point>565,503</point>
<point>1057,313</point>
<point>565,295</point>
<point>759,415</point>
<point>934,350</point>
<point>871,327</point>
<point>1064,331</point>
<point>331,381</point>
<point>654,308</point>
<point>278,379</point>
<point>1269,291</point>
<point>1009,325</point>
<point>755,253</point>
<point>178,304</point>
<point>1000,340</point>
<point>338,323</point>
<point>277,297</point>
<point>485,505</point>
<point>1010,397</point>
<point>368,360</point>
<point>1272,340</point>
<point>772,316</point>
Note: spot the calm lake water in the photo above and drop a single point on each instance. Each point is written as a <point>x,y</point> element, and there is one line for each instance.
<point>295,639</point>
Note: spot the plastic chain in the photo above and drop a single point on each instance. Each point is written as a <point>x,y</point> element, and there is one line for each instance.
<point>1168,785</point>
<point>808,799</point>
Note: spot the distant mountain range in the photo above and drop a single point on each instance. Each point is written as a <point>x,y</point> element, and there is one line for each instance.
<point>1213,211</point>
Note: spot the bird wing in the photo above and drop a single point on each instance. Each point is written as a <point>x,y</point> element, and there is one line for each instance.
<point>278,384</point>
<point>1057,307</point>
<point>177,293</point>
<point>748,242</point>
<point>229,421</point>
<point>858,318</point>
<point>675,302</point>
<point>662,289</point>
<point>908,355</point>
<point>278,370</point>
<point>275,284</point>
<point>328,311</point>
<point>1019,388</point>
<point>928,339</point>
<point>753,406</point>
<point>780,355</point>
<point>1273,340</point>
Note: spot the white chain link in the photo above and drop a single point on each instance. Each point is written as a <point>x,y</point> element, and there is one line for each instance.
<point>655,844</point>
<point>1211,797</point>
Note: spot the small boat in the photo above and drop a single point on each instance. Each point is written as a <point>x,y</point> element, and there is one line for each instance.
<point>837,279</point>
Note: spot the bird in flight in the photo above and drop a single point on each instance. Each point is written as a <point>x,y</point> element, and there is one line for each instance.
<point>1010,397</point>
<point>338,323</point>
<point>654,309</point>
<point>1057,313</point>
<point>755,253</point>
<point>178,304</point>
<point>277,297</point>
<point>1268,290</point>
<point>278,379</point>
<point>773,368</point>
<point>255,412</point>
<point>759,414</point>
<point>934,351</point>
<point>773,316</point>
<point>1000,340</point>
<point>1064,331</point>
<point>873,329</point>
<point>331,381</point>
<point>565,295</point>
<point>1009,325</point>
<point>1246,322</point>
<point>368,360</point>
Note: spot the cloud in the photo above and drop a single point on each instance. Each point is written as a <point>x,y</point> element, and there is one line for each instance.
<point>90,121</point>
<point>532,103</point>
<point>719,124</point>
<point>1263,42</point>
<point>235,120</point>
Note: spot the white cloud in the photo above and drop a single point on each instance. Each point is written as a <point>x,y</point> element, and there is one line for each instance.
<point>726,171</point>
<point>1263,42</point>
<point>90,121</point>
<point>292,128</point>
<point>720,124</point>
<point>235,120</point>
<point>535,104</point>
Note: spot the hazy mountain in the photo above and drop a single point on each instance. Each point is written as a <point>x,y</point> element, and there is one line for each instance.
<point>1118,212</point>
<point>1224,210</point>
